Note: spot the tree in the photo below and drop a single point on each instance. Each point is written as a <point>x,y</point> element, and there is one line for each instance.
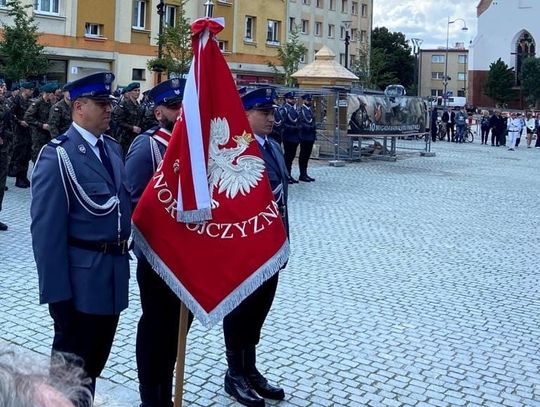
<point>175,42</point>
<point>530,80</point>
<point>499,82</point>
<point>290,55</point>
<point>22,55</point>
<point>391,61</point>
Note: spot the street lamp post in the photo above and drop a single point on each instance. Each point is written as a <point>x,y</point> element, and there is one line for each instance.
<point>445,83</point>
<point>416,51</point>
<point>161,12</point>
<point>347,25</point>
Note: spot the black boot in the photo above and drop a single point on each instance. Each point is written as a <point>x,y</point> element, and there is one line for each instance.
<point>257,380</point>
<point>22,182</point>
<point>236,383</point>
<point>150,395</point>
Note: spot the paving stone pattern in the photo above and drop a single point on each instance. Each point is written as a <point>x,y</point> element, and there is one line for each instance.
<point>412,283</point>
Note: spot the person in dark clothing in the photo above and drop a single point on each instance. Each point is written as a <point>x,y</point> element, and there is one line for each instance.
<point>497,125</point>
<point>308,134</point>
<point>433,125</point>
<point>484,126</point>
<point>291,132</point>
<point>446,123</point>
<point>451,126</point>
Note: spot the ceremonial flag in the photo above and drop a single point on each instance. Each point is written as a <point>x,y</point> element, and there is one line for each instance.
<point>207,221</point>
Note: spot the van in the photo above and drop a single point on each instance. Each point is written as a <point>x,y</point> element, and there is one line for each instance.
<point>452,101</point>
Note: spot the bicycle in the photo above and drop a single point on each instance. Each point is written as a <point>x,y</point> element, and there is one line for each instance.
<point>468,136</point>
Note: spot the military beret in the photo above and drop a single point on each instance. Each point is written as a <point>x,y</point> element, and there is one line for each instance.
<point>260,99</point>
<point>27,85</point>
<point>96,86</point>
<point>49,87</point>
<point>132,86</point>
<point>169,92</point>
<point>15,86</point>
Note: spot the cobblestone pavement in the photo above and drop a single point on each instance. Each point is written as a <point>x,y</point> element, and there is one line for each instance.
<point>412,283</point>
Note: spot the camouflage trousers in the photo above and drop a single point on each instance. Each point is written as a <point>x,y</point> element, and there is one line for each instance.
<point>39,139</point>
<point>22,152</point>
<point>5,155</point>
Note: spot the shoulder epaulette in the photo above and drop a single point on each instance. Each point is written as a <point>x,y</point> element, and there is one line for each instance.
<point>111,138</point>
<point>55,142</point>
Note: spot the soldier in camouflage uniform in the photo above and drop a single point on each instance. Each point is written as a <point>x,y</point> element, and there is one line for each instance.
<point>126,116</point>
<point>37,117</point>
<point>4,148</point>
<point>22,142</point>
<point>148,119</point>
<point>60,116</point>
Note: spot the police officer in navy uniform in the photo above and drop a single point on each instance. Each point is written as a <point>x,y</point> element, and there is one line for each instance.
<point>291,131</point>
<point>308,134</point>
<point>157,332</point>
<point>242,327</point>
<point>81,220</point>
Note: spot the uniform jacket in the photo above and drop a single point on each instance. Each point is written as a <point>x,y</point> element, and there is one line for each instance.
<point>141,164</point>
<point>126,115</point>
<point>37,115</point>
<point>96,282</point>
<point>59,118</point>
<point>308,128</point>
<point>291,127</point>
<point>278,177</point>
<point>277,129</point>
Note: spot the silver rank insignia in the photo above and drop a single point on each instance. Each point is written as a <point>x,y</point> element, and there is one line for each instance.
<point>82,148</point>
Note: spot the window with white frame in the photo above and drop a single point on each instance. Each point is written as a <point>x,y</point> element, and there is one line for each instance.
<point>138,74</point>
<point>354,34</point>
<point>344,6</point>
<point>170,15</point>
<point>437,75</point>
<point>93,30</point>
<point>139,13</point>
<point>318,28</point>
<point>223,45</point>
<point>331,30</point>
<point>249,31</point>
<point>354,8</point>
<point>437,59</point>
<point>332,4</point>
<point>47,6</point>
<point>363,36</point>
<point>342,33</point>
<point>320,3</point>
<point>364,10</point>
<point>303,59</point>
<point>342,59</point>
<point>436,92</point>
<point>292,24</point>
<point>2,3</point>
<point>272,35</point>
<point>307,2</point>
<point>305,26</point>
<point>461,76</point>
<point>462,59</point>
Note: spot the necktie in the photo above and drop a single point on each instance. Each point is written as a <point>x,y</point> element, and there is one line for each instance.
<point>268,148</point>
<point>105,158</point>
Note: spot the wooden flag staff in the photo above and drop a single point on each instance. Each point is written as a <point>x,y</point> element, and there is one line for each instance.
<point>184,312</point>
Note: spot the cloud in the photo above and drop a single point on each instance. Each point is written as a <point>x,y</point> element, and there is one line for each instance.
<point>427,19</point>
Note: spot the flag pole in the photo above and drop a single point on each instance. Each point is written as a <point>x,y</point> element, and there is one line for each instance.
<point>181,355</point>
<point>184,312</point>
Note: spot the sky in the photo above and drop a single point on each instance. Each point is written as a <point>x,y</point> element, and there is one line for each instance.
<point>427,20</point>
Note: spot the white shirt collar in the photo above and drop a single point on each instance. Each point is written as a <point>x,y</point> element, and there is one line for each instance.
<point>261,140</point>
<point>90,139</point>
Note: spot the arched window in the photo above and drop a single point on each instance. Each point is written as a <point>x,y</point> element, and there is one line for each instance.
<point>525,47</point>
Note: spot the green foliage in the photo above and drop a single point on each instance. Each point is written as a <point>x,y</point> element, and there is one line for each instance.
<point>499,82</point>
<point>530,80</point>
<point>176,48</point>
<point>289,55</point>
<point>391,60</point>
<point>22,56</point>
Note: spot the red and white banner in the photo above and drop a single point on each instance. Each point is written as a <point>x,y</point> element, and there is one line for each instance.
<point>207,221</point>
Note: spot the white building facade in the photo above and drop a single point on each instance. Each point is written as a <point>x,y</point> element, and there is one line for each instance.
<point>507,29</point>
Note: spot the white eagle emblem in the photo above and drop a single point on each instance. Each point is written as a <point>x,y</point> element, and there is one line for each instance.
<point>228,170</point>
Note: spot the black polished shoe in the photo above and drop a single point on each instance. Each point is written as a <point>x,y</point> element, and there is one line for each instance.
<point>263,388</point>
<point>304,178</point>
<point>22,183</point>
<point>3,226</point>
<point>310,178</point>
<point>238,387</point>
<point>293,181</point>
